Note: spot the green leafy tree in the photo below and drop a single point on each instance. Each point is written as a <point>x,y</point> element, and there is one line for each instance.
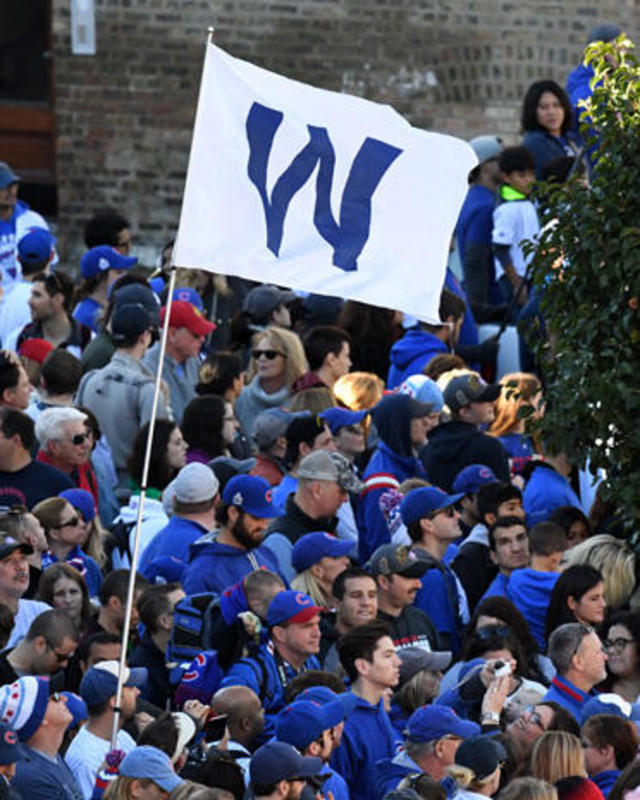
<point>587,271</point>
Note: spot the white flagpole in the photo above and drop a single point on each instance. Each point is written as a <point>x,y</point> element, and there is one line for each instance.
<point>143,492</point>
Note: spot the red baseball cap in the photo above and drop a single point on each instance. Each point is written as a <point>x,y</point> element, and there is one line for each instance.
<point>186,315</point>
<point>35,349</point>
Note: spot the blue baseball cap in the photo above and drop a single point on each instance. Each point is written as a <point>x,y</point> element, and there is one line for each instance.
<point>10,748</point>
<point>312,547</point>
<point>607,703</point>
<point>424,390</point>
<point>429,723</point>
<point>279,761</point>
<point>251,494</point>
<point>100,682</point>
<point>82,501</point>
<point>291,606</point>
<point>188,295</point>
<point>419,503</point>
<point>149,762</point>
<point>471,478</point>
<point>324,695</point>
<point>78,709</point>
<point>35,246</point>
<point>303,721</point>
<point>337,418</point>
<point>103,257</point>
<point>7,175</point>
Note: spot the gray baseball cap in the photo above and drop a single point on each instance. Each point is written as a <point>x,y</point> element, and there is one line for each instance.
<point>322,465</point>
<point>486,147</point>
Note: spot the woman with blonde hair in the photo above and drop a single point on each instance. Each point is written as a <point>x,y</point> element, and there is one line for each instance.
<point>319,558</point>
<point>556,755</point>
<point>520,401</point>
<point>358,391</point>
<point>615,561</point>
<point>477,768</point>
<point>66,534</point>
<point>277,360</point>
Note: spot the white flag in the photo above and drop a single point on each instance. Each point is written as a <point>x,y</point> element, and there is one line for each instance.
<point>318,191</point>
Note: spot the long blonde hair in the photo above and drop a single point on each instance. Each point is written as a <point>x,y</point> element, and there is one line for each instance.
<point>308,583</point>
<point>518,390</point>
<point>556,755</point>
<point>284,341</point>
<point>614,559</point>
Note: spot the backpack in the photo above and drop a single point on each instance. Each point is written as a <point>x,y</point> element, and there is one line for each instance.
<point>194,620</point>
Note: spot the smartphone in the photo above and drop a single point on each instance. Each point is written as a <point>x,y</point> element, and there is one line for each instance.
<point>215,726</point>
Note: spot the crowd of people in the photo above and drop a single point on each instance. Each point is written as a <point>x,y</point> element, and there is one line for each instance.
<point>359,573</point>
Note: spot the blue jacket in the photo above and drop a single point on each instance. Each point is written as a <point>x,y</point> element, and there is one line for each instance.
<point>368,737</point>
<point>85,565</point>
<point>174,540</point>
<point>392,462</point>
<point>545,148</point>
<point>439,598</point>
<point>497,587</point>
<point>605,780</point>
<point>388,772</point>
<point>335,784</point>
<point>530,592</point>
<point>268,675</point>
<point>213,567</point>
<point>411,354</point>
<point>545,491</point>
<point>567,695</point>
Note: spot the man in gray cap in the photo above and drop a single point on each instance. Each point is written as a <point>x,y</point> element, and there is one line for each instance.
<point>268,434</point>
<point>324,482</point>
<point>267,305</point>
<point>121,393</point>
<point>473,230</point>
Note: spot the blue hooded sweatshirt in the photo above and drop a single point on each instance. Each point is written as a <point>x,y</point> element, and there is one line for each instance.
<point>530,592</point>
<point>411,354</point>
<point>368,737</point>
<point>392,462</point>
<point>545,491</point>
<point>213,566</point>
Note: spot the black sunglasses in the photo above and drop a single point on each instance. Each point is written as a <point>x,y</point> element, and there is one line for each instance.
<point>79,438</point>
<point>70,523</point>
<point>268,354</point>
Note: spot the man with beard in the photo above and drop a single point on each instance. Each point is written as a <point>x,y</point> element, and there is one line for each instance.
<point>226,555</point>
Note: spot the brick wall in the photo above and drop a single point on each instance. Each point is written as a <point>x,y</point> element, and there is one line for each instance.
<point>124,116</point>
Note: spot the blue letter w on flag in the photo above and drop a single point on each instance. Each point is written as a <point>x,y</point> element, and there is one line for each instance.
<point>372,160</point>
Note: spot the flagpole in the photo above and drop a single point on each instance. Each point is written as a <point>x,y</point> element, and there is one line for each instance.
<point>143,490</point>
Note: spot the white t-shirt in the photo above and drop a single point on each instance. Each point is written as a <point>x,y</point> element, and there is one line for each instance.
<point>28,610</point>
<point>86,754</point>
<point>513,222</point>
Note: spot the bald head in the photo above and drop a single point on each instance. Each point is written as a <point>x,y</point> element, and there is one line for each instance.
<point>245,717</point>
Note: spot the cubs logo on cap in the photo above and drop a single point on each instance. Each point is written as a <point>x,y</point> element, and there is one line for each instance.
<point>290,606</point>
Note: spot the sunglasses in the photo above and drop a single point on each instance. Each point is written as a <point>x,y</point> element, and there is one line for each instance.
<point>268,354</point>
<point>71,523</point>
<point>535,718</point>
<point>60,658</point>
<point>489,631</point>
<point>79,438</point>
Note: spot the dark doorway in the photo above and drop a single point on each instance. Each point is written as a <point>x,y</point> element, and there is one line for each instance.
<point>27,121</point>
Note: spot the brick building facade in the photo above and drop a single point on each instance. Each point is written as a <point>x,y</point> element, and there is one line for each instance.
<point>123,116</point>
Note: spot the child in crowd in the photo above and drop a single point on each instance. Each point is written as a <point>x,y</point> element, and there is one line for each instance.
<point>529,589</point>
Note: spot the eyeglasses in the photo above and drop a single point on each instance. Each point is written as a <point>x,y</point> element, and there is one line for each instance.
<point>79,438</point>
<point>491,631</point>
<point>618,644</point>
<point>56,697</point>
<point>534,717</point>
<point>268,354</point>
<point>60,658</point>
<point>70,523</point>
<point>449,511</point>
